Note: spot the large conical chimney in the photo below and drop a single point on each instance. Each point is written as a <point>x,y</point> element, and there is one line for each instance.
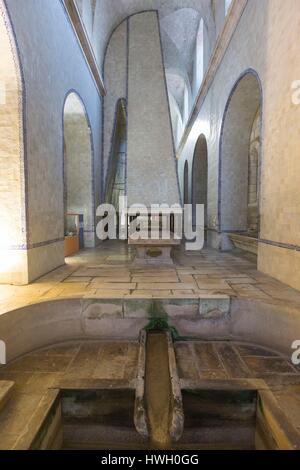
<point>151,165</point>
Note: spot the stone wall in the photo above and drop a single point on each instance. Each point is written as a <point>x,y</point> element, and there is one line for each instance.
<point>53,64</point>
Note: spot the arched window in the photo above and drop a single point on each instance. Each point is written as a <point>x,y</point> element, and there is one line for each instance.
<point>199,59</point>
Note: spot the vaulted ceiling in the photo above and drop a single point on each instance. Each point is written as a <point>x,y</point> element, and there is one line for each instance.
<point>178,18</point>
<point>179,21</point>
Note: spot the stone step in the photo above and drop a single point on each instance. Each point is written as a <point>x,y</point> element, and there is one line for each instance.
<point>6,388</point>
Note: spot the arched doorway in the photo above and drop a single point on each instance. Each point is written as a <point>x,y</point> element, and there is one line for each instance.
<point>186,183</point>
<point>199,177</point>
<point>13,216</point>
<point>116,177</point>
<point>240,156</point>
<point>79,217</point>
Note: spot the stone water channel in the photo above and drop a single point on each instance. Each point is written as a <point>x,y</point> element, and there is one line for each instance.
<point>160,407</point>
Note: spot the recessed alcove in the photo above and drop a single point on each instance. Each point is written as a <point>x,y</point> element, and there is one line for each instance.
<point>240,165</point>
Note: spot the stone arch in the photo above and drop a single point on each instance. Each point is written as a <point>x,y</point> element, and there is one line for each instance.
<point>13,207</point>
<point>241,125</point>
<point>78,169</point>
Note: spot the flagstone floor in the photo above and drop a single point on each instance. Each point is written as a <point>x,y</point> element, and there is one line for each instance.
<point>108,272</point>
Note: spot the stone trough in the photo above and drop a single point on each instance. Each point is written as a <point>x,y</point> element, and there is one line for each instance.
<point>157,410</point>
